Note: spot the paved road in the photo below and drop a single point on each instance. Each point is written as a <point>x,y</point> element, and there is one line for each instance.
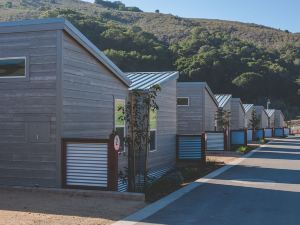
<point>262,190</point>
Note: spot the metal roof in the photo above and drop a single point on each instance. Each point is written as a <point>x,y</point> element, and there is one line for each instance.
<point>247,107</point>
<point>63,24</point>
<point>222,99</point>
<point>146,80</point>
<point>270,112</point>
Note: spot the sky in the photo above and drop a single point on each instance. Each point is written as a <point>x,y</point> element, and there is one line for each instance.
<point>282,14</point>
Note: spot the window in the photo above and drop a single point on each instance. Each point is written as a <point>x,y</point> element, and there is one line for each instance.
<point>183,101</point>
<point>120,121</point>
<point>153,128</point>
<point>13,67</point>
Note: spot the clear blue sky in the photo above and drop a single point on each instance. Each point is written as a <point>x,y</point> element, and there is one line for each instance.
<point>283,14</point>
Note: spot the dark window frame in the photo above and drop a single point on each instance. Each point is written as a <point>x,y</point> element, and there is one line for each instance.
<point>186,105</point>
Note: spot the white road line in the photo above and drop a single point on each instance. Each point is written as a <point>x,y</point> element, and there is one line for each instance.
<point>162,203</point>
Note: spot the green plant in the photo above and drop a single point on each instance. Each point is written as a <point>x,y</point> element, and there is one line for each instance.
<point>254,120</point>
<point>163,186</point>
<point>137,117</point>
<point>222,118</point>
<point>242,149</point>
<point>262,141</point>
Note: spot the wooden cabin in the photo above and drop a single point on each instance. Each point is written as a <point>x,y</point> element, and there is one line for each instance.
<point>162,149</point>
<point>248,109</point>
<point>236,108</point>
<point>279,119</point>
<point>196,108</point>
<point>59,92</point>
<point>262,116</point>
<point>271,118</point>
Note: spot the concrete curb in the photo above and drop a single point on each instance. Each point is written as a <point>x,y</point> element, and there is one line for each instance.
<point>162,203</point>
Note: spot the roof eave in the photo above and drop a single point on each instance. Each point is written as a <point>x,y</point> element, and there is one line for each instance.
<point>211,94</point>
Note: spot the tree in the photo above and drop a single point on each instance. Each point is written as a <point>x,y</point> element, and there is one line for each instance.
<point>157,11</point>
<point>254,120</point>
<point>137,117</point>
<point>118,5</point>
<point>222,118</point>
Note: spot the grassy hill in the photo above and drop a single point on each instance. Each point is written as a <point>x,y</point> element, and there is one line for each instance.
<point>251,61</point>
<point>165,26</point>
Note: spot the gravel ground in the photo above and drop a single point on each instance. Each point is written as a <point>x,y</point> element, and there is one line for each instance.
<point>19,207</point>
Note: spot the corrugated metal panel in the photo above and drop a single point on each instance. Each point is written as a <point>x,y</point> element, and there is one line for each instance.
<point>286,131</point>
<point>247,107</point>
<point>222,99</point>
<point>146,80</point>
<point>86,164</point>
<point>259,134</point>
<point>189,147</point>
<point>278,132</point>
<point>249,135</point>
<point>215,141</point>
<point>237,137</point>
<point>154,175</point>
<point>122,185</point>
<point>268,132</point>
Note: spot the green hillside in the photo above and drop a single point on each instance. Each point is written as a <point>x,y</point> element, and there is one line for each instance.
<point>251,61</point>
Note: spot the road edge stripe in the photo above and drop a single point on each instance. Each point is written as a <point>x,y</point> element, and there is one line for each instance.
<point>153,208</point>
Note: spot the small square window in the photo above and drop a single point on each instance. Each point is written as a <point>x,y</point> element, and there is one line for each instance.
<point>183,101</point>
<point>13,67</point>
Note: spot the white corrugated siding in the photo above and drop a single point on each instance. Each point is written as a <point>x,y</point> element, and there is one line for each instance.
<point>86,164</point>
<point>215,141</point>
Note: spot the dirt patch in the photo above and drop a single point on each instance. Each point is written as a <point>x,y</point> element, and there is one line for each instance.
<point>19,207</point>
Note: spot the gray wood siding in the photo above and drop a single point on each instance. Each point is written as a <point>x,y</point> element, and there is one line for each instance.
<point>271,120</point>
<point>89,90</point>
<point>28,113</point>
<point>210,112</point>
<point>278,119</point>
<point>190,118</point>
<point>165,155</point>
<point>237,115</point>
<point>264,119</point>
<point>262,116</point>
<point>248,118</point>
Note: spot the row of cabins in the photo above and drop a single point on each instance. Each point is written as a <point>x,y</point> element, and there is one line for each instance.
<point>61,99</point>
